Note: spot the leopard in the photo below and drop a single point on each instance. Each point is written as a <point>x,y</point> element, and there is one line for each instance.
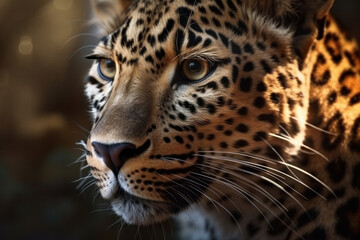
<point>239,119</point>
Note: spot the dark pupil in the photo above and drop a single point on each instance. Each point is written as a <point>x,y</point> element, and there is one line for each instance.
<point>194,67</point>
<point>109,64</point>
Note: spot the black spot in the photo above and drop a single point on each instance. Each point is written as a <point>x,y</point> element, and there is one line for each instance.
<point>160,54</point>
<point>345,226</point>
<point>265,66</point>
<point>91,80</point>
<point>336,170</point>
<point>215,10</point>
<point>248,67</point>
<point>151,40</point>
<point>204,20</point>
<point>261,46</point>
<point>225,82</point>
<point>176,128</point>
<point>228,133</point>
<point>275,97</point>
<point>242,128</point>
<point>275,59</point>
<point>339,193</point>
<point>220,4</point>
<point>200,136</point>
<point>356,177</point>
<point>167,140</point>
<point>307,217</point>
<point>345,91</point>
<point>223,145</point>
<point>193,40</point>
<point>220,101</point>
<point>354,143</point>
<point>207,43</point>
<point>179,139</point>
<point>211,33</point>
<point>248,48</point>
<point>336,123</point>
<point>242,26</point>
<point>291,103</point>
<point>245,84</point>
<point>270,118</point>
<point>241,143</point>
<point>200,102</point>
<point>149,59</point>
<point>325,77</point>
<point>355,99</point>
<point>259,136</point>
<point>274,152</point>
<point>235,48</point>
<point>184,14</point>
<point>210,137</point>
<point>224,39</point>
<point>179,40</point>
<point>216,22</point>
<point>235,73</point>
<point>261,87</point>
<point>259,102</point>
<point>167,29</point>
<point>142,51</point>
<point>279,224</point>
<point>211,108</point>
<point>211,85</point>
<point>219,127</point>
<point>243,111</point>
<point>294,126</point>
<point>194,25</point>
<point>282,80</point>
<point>237,30</point>
<point>333,46</point>
<point>181,116</point>
<point>345,74</point>
<point>192,2</point>
<point>332,97</point>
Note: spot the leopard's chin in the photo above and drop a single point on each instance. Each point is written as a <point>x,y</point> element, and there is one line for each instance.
<point>139,211</point>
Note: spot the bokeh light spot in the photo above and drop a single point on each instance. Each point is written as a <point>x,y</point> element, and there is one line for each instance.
<point>25,45</point>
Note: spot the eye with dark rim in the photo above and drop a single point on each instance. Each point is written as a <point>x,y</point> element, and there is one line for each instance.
<point>196,70</point>
<point>107,69</point>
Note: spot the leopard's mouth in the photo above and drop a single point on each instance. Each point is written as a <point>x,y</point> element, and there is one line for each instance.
<point>140,211</point>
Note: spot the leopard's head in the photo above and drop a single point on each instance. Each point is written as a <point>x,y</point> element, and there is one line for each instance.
<point>178,88</point>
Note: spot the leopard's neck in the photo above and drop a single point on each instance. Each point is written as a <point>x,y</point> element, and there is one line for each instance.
<point>334,67</point>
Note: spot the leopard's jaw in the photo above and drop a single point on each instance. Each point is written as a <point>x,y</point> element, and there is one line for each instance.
<point>235,111</point>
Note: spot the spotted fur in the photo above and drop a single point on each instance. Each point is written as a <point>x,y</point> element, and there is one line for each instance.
<point>267,146</point>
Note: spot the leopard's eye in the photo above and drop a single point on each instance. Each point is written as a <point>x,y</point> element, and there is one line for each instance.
<point>107,69</point>
<point>195,69</point>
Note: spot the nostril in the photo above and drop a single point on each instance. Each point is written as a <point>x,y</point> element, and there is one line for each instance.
<point>115,155</point>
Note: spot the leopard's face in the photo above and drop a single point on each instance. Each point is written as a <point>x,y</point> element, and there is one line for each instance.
<point>178,86</point>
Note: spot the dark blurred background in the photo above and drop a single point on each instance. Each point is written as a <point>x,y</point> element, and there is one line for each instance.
<point>43,113</point>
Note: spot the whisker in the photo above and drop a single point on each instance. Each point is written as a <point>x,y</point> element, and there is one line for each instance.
<point>303,145</point>
<point>80,35</point>
<point>81,48</point>
<point>281,158</point>
<point>315,127</point>
<point>287,175</point>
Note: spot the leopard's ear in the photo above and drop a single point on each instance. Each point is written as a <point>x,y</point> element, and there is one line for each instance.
<point>109,13</point>
<point>306,18</point>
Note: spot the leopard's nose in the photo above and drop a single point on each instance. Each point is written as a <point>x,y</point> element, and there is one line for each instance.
<point>114,155</point>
